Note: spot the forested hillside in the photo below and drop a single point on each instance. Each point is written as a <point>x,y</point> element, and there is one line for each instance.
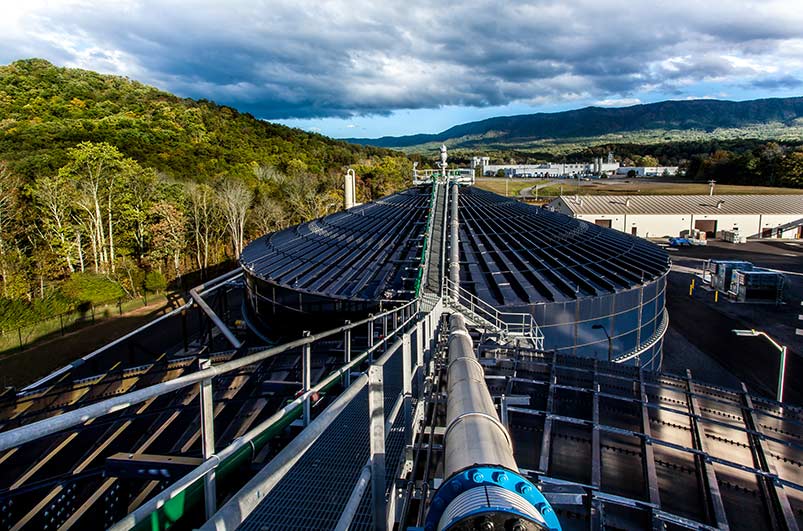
<point>106,182</point>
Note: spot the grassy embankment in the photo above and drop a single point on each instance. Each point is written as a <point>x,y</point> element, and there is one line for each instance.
<point>625,187</point>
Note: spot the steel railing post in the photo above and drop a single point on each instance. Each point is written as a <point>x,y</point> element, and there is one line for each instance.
<point>385,333</point>
<point>347,352</point>
<point>376,412</point>
<point>208,438</point>
<point>419,343</point>
<point>370,337</point>
<point>306,359</point>
<point>407,386</point>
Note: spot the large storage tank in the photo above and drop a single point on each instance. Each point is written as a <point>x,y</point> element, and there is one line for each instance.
<point>342,266</point>
<point>582,283</point>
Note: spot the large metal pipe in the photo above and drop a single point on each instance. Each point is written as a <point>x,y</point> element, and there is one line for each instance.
<point>482,487</point>
<point>474,434</point>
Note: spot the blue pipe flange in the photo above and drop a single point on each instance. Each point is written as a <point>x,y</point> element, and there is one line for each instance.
<point>491,498</point>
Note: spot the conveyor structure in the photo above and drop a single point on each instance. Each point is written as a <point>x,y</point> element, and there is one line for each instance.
<point>452,376</point>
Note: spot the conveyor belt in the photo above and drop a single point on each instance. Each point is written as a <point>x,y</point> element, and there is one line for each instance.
<point>434,272</point>
<point>312,494</point>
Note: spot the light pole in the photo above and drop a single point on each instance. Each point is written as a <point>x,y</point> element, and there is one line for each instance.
<point>782,348</point>
<point>610,341</point>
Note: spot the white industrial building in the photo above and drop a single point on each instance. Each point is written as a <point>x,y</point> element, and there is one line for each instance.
<point>654,216</point>
<point>647,171</point>
<point>596,167</point>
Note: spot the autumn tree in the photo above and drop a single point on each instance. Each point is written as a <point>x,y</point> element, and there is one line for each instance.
<point>53,199</point>
<point>204,221</point>
<point>95,171</point>
<point>235,200</point>
<point>169,232</point>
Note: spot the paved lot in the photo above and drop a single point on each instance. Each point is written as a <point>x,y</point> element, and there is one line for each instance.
<point>700,334</point>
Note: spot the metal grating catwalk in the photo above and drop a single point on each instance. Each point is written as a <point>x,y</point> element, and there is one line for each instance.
<point>649,447</point>
<point>312,495</point>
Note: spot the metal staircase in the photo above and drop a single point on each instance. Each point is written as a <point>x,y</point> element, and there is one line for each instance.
<point>484,315</point>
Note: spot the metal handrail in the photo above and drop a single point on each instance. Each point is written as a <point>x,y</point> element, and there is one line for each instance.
<point>511,323</point>
<point>657,336</point>
<point>159,500</point>
<point>238,507</point>
<point>42,428</point>
<point>424,263</point>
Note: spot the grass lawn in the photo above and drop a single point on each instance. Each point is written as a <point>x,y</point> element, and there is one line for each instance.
<point>498,184</point>
<point>627,187</point>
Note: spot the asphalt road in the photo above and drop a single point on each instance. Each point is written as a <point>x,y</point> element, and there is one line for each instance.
<point>701,336</point>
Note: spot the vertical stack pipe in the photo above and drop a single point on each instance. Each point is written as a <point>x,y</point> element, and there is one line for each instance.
<point>350,187</point>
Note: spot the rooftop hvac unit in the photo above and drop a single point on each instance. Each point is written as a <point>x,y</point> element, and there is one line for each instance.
<point>722,272</point>
<point>758,286</point>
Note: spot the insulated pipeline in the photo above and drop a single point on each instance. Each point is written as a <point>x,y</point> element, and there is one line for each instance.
<point>474,434</point>
<point>482,487</point>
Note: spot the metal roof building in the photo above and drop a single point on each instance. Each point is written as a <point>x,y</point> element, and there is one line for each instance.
<point>766,216</point>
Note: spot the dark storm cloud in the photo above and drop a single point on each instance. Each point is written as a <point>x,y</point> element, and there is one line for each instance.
<point>306,59</point>
<point>784,82</point>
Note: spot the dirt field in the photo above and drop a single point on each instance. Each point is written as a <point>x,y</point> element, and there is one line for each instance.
<point>513,186</point>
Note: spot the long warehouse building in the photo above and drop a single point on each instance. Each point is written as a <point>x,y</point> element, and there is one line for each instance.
<point>655,216</point>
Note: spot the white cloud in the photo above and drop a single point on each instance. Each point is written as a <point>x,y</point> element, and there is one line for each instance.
<point>617,102</point>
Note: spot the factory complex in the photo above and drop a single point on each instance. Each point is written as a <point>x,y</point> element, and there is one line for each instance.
<point>440,359</point>
<point>598,167</point>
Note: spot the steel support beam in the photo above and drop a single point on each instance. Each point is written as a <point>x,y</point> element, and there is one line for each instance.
<point>370,338</point>
<point>208,438</point>
<point>777,494</point>
<point>546,441</point>
<point>347,352</point>
<point>376,414</point>
<point>709,477</point>
<point>647,451</point>
<point>306,361</point>
<point>596,449</point>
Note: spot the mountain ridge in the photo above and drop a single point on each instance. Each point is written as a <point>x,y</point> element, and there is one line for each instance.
<point>699,114</point>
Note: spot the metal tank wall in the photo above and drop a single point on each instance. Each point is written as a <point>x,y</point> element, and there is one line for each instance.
<point>578,280</point>
<point>631,318</point>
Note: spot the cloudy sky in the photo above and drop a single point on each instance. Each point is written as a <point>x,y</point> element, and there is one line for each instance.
<point>371,68</point>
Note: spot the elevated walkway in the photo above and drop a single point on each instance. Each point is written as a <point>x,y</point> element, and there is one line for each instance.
<point>322,477</point>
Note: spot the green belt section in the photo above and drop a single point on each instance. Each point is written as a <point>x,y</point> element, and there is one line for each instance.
<point>190,501</point>
<point>422,263</point>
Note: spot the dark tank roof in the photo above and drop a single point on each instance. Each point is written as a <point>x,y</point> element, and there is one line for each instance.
<point>512,254</point>
<point>367,253</point>
<point>516,254</point>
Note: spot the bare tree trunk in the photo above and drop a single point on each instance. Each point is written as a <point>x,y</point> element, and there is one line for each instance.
<point>80,250</point>
<point>111,232</point>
